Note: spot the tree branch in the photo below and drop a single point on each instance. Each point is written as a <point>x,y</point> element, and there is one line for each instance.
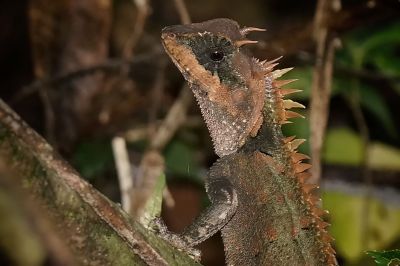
<point>95,229</point>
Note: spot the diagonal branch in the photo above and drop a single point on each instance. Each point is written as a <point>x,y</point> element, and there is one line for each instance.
<point>94,228</point>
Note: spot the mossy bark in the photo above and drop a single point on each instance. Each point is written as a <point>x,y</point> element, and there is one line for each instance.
<point>94,230</point>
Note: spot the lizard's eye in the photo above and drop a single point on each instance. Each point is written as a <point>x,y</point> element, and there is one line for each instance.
<point>217,56</point>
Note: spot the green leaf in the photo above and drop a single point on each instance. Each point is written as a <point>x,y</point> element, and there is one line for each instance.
<point>388,64</point>
<point>361,43</point>
<point>152,208</point>
<point>386,61</point>
<point>342,146</point>
<point>386,258</point>
<point>382,156</point>
<point>381,38</point>
<point>378,47</point>
<point>347,216</point>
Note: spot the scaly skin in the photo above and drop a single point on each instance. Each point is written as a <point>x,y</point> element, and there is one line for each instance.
<point>260,202</point>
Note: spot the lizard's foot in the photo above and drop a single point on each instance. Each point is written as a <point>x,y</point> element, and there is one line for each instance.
<point>176,240</point>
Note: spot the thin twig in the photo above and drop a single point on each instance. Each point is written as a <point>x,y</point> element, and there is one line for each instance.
<point>355,106</point>
<point>141,17</point>
<point>142,132</point>
<point>177,113</point>
<point>123,166</point>
<point>152,163</point>
<point>113,64</point>
<point>175,118</point>
<point>156,94</point>
<point>182,11</point>
<point>367,74</point>
<point>321,85</point>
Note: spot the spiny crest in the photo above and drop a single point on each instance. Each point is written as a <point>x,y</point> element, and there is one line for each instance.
<point>244,31</point>
<point>309,198</point>
<point>284,105</point>
<point>300,168</point>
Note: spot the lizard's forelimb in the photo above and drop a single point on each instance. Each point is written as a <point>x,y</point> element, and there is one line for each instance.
<point>223,205</point>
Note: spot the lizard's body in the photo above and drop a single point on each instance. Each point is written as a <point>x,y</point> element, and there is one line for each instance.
<point>266,213</point>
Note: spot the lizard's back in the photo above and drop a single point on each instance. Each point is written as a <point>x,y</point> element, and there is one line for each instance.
<point>271,226</point>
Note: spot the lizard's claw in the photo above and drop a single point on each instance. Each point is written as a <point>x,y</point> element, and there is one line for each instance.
<point>158,226</point>
<point>176,240</point>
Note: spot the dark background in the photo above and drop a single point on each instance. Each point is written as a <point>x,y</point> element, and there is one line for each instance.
<point>80,74</point>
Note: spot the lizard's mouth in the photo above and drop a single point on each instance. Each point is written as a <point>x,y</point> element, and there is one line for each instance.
<point>173,50</point>
<point>180,54</point>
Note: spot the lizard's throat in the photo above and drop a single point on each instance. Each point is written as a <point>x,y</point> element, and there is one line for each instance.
<point>228,132</point>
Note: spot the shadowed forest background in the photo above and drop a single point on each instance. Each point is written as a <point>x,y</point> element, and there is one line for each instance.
<point>92,78</point>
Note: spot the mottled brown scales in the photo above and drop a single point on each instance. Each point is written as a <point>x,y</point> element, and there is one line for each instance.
<point>267,221</point>
<point>261,202</point>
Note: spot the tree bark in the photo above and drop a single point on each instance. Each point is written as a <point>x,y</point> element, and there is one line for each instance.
<point>92,229</point>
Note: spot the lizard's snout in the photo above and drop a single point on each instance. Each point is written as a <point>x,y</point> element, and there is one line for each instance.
<point>167,35</point>
<point>169,32</point>
<point>176,30</point>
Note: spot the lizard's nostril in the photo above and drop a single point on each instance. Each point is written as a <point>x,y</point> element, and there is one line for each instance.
<point>168,35</point>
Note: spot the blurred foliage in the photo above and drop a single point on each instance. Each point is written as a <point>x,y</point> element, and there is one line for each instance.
<point>181,162</point>
<point>17,236</point>
<point>348,216</point>
<point>344,147</point>
<point>386,258</point>
<point>367,51</point>
<point>383,156</point>
<point>93,157</point>
<point>374,102</point>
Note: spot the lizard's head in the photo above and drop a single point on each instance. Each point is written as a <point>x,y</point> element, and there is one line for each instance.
<point>223,78</point>
<point>210,48</point>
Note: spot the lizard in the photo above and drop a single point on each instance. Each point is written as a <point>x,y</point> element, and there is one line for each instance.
<point>260,199</point>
